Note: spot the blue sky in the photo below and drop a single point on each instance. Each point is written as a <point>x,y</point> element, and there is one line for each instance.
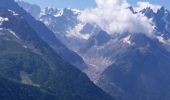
<point>86,3</point>
<point>64,3</point>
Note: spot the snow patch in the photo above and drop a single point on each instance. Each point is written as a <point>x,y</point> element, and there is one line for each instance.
<point>13,12</point>
<point>163,40</point>
<point>46,23</point>
<point>76,11</point>
<point>42,13</point>
<point>126,40</point>
<point>13,33</point>
<point>25,46</point>
<point>1,29</point>
<point>59,13</point>
<point>75,32</point>
<point>2,20</point>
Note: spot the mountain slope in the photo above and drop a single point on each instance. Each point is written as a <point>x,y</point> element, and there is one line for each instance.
<point>27,59</point>
<point>48,36</point>
<point>140,71</point>
<point>16,91</point>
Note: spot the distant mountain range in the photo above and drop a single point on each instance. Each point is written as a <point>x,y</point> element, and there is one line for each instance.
<point>31,66</point>
<point>128,66</point>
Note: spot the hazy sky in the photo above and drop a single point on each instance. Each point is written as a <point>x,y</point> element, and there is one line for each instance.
<point>86,3</point>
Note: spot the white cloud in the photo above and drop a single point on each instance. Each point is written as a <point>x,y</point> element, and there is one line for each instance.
<point>114,16</point>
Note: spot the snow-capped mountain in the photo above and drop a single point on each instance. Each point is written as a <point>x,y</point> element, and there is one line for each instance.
<point>54,18</point>
<point>65,24</point>
<point>161,19</point>
<point>129,65</point>
<point>59,21</point>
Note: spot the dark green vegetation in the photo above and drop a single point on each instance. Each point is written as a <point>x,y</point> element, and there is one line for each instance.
<point>27,59</point>
<point>10,90</point>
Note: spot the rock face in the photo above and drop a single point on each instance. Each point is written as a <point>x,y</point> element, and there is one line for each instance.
<point>26,59</point>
